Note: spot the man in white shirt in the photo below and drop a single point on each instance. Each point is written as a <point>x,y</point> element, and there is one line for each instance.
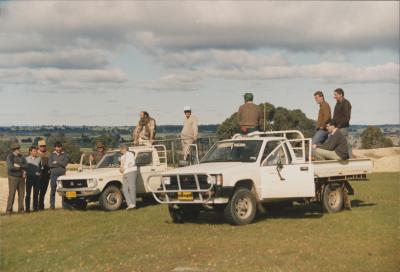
<point>129,170</point>
<point>189,131</point>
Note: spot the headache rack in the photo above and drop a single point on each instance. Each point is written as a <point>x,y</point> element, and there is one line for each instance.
<point>188,188</point>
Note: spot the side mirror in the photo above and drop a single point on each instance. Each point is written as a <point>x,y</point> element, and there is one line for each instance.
<point>279,164</point>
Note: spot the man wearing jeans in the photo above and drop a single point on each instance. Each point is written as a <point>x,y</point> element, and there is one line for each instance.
<point>324,115</point>
<point>342,114</point>
<point>58,161</point>
<point>129,170</point>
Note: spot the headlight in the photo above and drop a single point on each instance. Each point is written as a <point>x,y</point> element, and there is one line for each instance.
<point>59,184</point>
<point>166,180</point>
<point>216,179</point>
<point>92,183</point>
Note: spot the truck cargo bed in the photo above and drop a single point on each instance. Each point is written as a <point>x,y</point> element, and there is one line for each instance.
<point>334,168</point>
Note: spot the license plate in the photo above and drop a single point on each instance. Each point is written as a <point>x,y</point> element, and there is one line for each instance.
<point>185,196</point>
<point>70,194</point>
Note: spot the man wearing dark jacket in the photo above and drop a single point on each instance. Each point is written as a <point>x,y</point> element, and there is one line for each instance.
<point>342,114</point>
<point>58,161</point>
<point>335,148</point>
<point>45,172</point>
<point>16,165</point>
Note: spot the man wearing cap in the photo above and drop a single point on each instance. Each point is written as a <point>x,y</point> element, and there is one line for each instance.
<point>250,117</point>
<point>45,172</point>
<point>58,161</point>
<point>16,165</point>
<point>145,131</point>
<point>97,155</point>
<point>189,131</point>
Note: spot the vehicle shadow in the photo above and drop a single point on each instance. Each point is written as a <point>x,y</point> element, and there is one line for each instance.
<point>139,205</point>
<point>356,203</point>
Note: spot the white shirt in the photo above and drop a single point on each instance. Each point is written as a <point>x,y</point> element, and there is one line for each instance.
<point>128,162</point>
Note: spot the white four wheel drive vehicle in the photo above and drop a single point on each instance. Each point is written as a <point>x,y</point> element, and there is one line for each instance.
<point>103,182</point>
<point>238,175</point>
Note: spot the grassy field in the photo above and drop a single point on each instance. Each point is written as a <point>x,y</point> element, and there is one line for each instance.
<point>296,239</point>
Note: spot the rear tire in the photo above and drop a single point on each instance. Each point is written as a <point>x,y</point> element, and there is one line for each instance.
<point>183,213</point>
<point>332,198</point>
<point>241,208</point>
<point>111,198</point>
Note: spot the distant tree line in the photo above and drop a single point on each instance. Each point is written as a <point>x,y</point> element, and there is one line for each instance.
<point>372,137</point>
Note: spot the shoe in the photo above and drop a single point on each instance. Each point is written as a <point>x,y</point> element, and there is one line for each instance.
<point>130,207</point>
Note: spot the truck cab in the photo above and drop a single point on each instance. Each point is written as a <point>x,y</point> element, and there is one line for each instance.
<point>241,174</point>
<point>103,182</point>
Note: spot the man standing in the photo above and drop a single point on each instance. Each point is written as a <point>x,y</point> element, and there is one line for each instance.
<point>250,116</point>
<point>16,164</point>
<point>45,172</point>
<point>189,131</point>
<point>335,148</point>
<point>58,161</point>
<point>129,171</point>
<point>324,115</point>
<point>97,155</point>
<point>342,114</point>
<point>145,131</point>
<point>33,172</point>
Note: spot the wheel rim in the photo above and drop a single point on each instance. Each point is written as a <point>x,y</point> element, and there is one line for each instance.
<point>334,198</point>
<point>112,198</point>
<point>243,207</point>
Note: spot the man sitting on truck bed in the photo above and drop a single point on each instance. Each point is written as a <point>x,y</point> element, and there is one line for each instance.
<point>335,148</point>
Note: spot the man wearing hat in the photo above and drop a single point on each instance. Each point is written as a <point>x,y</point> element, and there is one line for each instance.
<point>97,155</point>
<point>189,131</point>
<point>250,117</point>
<point>16,165</point>
<point>45,172</point>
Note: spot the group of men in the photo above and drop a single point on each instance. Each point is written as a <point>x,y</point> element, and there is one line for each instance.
<point>330,140</point>
<point>30,176</point>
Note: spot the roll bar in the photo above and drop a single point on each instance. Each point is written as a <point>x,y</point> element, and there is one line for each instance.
<point>259,134</point>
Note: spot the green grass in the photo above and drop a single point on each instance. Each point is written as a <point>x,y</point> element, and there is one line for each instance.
<point>296,239</point>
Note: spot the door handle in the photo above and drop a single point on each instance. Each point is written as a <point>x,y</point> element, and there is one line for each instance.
<point>304,168</point>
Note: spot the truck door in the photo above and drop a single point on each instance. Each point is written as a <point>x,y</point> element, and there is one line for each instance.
<point>284,177</point>
<point>145,171</point>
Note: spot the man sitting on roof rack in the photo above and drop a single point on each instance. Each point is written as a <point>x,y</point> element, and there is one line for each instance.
<point>250,117</point>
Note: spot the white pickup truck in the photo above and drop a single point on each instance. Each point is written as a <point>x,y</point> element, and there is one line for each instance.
<point>103,182</point>
<point>240,174</point>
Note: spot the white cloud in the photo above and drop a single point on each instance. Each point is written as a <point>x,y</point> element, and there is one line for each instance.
<point>172,82</point>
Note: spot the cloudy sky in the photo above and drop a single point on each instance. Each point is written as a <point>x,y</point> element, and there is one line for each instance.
<point>100,63</point>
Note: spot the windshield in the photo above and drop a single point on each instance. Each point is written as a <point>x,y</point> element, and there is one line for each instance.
<point>235,151</point>
<point>110,160</point>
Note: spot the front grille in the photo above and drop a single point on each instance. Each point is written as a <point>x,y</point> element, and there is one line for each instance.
<point>188,182</point>
<point>76,183</point>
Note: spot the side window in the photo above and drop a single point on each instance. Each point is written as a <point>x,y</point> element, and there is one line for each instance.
<point>276,156</point>
<point>146,157</point>
<point>269,147</point>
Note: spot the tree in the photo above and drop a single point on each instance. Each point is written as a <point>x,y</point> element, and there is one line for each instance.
<point>372,137</point>
<point>275,119</point>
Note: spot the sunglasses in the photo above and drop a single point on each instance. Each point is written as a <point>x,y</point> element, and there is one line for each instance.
<point>42,146</point>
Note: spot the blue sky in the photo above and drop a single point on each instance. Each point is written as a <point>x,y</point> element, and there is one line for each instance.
<point>100,63</point>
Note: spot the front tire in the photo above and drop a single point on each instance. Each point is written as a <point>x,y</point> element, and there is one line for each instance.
<point>111,198</point>
<point>332,198</point>
<point>241,208</point>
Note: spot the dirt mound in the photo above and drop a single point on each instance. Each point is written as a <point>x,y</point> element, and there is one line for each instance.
<point>385,159</point>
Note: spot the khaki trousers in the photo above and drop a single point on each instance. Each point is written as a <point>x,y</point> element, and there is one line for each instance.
<point>322,154</point>
<point>15,184</point>
<point>186,147</point>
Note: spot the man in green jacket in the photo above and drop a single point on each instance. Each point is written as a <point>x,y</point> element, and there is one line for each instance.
<point>16,164</point>
<point>335,148</point>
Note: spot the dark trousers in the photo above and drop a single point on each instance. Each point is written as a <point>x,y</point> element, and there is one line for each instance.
<point>15,184</point>
<point>43,184</point>
<point>32,182</point>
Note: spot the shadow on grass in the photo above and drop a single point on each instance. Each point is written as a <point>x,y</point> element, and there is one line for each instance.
<point>356,203</point>
<point>140,204</point>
